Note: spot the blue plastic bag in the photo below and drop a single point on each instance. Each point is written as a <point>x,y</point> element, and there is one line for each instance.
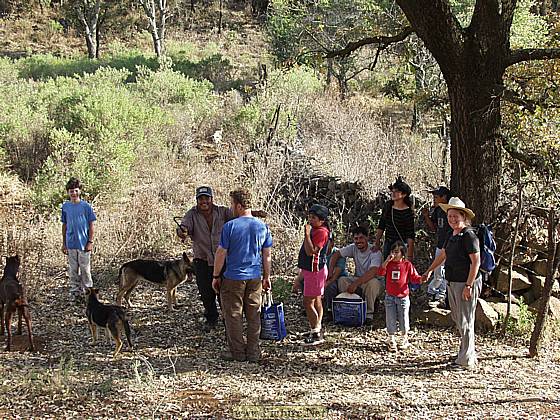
<point>349,310</point>
<point>273,326</point>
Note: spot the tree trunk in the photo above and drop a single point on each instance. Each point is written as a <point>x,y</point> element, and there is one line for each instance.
<point>552,266</point>
<point>89,17</point>
<point>157,19</point>
<point>476,164</point>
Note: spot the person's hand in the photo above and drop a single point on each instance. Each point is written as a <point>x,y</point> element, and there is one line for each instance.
<point>89,247</point>
<point>467,293</point>
<point>64,250</point>
<point>351,288</point>
<point>425,212</point>
<point>307,229</point>
<point>216,284</point>
<point>181,234</point>
<point>426,276</point>
<point>389,258</point>
<point>266,284</point>
<point>376,246</point>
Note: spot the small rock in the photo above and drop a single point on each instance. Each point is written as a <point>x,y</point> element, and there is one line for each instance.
<point>501,309</point>
<point>486,317</point>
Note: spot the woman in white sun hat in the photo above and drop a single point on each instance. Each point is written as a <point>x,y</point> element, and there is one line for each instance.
<point>461,254</point>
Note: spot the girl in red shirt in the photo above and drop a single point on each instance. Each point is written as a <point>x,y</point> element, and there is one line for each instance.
<point>398,273</point>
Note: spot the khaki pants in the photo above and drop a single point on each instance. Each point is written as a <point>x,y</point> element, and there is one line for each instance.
<point>370,291</point>
<point>463,313</point>
<point>79,271</point>
<point>238,297</point>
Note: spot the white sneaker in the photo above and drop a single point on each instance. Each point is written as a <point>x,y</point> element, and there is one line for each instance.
<point>404,343</point>
<point>392,343</point>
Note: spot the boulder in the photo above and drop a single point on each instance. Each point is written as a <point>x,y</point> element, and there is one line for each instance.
<point>553,307</point>
<point>539,267</point>
<point>437,317</point>
<point>520,281</point>
<point>486,317</point>
<point>501,309</point>
<point>538,285</point>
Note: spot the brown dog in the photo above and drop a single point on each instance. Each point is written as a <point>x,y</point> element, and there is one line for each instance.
<point>12,295</point>
<point>170,273</point>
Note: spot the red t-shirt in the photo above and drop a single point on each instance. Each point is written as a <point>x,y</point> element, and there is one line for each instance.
<point>319,238</point>
<point>397,276</point>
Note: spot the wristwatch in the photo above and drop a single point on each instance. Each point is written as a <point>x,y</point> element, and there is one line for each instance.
<point>468,286</point>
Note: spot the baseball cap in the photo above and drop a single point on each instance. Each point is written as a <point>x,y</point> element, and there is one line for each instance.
<point>204,191</point>
<point>441,191</point>
<point>320,211</point>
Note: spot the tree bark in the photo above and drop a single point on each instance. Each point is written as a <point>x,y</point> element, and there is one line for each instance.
<point>89,17</point>
<point>157,13</point>
<point>553,261</point>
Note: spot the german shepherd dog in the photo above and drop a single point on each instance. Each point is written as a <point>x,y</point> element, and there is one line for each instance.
<point>111,317</point>
<point>12,295</point>
<point>170,273</point>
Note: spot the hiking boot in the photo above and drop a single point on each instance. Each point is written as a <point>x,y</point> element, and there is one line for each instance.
<point>392,343</point>
<point>313,339</point>
<point>228,356</point>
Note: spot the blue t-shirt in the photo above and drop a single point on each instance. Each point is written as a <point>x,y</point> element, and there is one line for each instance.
<point>77,217</point>
<point>244,238</point>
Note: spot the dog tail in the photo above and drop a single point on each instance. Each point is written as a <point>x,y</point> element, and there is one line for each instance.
<point>127,332</point>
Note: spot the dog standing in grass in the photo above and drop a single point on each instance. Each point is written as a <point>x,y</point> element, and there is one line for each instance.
<point>169,273</point>
<point>12,296</point>
<point>111,317</point>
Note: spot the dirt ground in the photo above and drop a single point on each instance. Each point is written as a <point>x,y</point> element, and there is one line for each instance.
<point>175,371</point>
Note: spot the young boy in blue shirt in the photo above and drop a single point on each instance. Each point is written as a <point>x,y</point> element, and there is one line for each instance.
<point>77,239</point>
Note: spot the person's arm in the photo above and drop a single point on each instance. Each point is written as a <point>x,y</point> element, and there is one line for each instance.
<point>64,249</point>
<point>91,232</point>
<point>413,275</point>
<point>267,264</point>
<point>333,275</point>
<point>219,260</point>
<point>429,222</point>
<point>435,264</point>
<point>473,272</point>
<point>310,248</point>
<point>410,249</point>
<point>332,265</point>
<point>364,278</point>
<point>378,235</point>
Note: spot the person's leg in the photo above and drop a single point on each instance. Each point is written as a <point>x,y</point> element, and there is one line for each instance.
<point>252,307</point>
<point>391,321</point>
<point>344,282</point>
<point>436,285</point>
<point>84,261</point>
<point>330,293</point>
<point>203,273</point>
<point>74,273</point>
<point>311,311</point>
<point>466,317</point>
<point>232,293</point>
<point>319,309</point>
<point>371,291</point>
<point>403,308</point>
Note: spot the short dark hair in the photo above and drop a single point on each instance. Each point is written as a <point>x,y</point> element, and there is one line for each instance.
<point>73,183</point>
<point>242,197</point>
<point>399,246</point>
<point>360,230</point>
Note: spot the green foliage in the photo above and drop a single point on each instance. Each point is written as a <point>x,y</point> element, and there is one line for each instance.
<point>523,325</point>
<point>281,289</point>
<point>528,30</point>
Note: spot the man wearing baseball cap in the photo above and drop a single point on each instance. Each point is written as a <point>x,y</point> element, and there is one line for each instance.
<point>203,224</point>
<point>436,220</point>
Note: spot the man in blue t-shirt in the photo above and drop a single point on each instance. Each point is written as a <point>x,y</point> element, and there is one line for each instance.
<point>77,239</point>
<point>246,244</point>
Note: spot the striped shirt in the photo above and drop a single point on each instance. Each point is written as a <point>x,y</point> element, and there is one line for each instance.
<point>397,224</point>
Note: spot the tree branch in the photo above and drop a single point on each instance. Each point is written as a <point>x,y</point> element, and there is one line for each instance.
<point>531,54</point>
<point>531,160</point>
<point>383,40</point>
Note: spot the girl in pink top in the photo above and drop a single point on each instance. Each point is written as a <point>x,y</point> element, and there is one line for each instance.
<point>398,273</point>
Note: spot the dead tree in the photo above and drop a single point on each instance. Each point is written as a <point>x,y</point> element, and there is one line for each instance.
<point>553,261</point>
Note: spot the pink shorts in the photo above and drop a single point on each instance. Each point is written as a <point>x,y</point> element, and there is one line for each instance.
<point>314,282</point>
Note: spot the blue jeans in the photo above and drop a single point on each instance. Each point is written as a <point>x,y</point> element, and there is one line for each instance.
<point>397,309</point>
